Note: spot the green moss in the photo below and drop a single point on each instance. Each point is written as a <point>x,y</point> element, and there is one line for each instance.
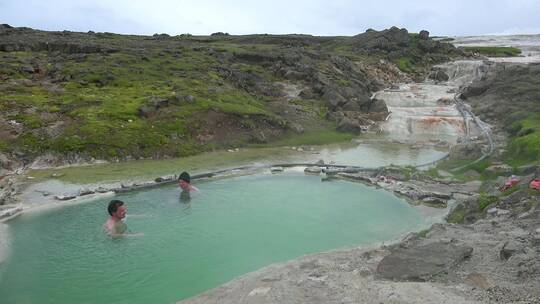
<point>423,233</point>
<point>32,144</point>
<point>525,147</point>
<point>405,64</point>
<point>494,51</point>
<point>432,172</point>
<point>510,190</point>
<point>31,121</point>
<point>485,200</point>
<point>4,145</point>
<point>457,215</point>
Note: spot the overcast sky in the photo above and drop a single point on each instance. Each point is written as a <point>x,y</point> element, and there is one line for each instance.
<point>317,17</point>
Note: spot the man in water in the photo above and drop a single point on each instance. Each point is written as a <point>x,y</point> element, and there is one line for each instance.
<point>184,181</point>
<point>115,225</point>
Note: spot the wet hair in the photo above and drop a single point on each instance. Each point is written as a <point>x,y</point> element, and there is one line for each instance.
<point>113,206</point>
<point>185,177</point>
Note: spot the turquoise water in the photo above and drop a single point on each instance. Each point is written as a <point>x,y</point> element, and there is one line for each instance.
<point>233,226</point>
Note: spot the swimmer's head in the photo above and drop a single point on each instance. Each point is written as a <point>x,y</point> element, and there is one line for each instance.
<point>116,209</point>
<point>183,180</point>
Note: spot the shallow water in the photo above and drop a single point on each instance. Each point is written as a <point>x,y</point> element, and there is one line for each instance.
<point>377,154</point>
<point>231,227</point>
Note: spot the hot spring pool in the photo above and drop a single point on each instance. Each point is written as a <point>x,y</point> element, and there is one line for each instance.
<point>233,226</point>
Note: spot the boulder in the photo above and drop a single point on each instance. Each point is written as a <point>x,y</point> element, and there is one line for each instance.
<point>475,89</point>
<point>65,197</point>
<point>465,151</point>
<point>388,40</point>
<point>529,169</point>
<point>276,169</point>
<point>501,212</point>
<point>424,35</point>
<point>190,98</point>
<point>422,262</point>
<point>85,191</point>
<point>509,248</point>
<point>378,106</point>
<point>351,105</point>
<point>333,98</point>
<point>499,169</point>
<point>146,111</point>
<point>445,101</point>
<point>439,75</point>
<point>313,170</point>
<point>514,198</point>
<point>434,201</point>
<point>526,180</point>
<point>28,69</point>
<point>296,127</point>
<point>492,211</point>
<point>349,125</point>
<point>101,189</point>
<point>472,174</point>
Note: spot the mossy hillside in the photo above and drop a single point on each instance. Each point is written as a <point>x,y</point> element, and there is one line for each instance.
<point>83,93</point>
<point>105,93</point>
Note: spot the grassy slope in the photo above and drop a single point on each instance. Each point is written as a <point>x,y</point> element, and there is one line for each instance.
<point>525,145</point>
<point>106,95</point>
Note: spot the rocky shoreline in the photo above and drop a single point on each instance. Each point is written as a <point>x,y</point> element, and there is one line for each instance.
<point>371,175</point>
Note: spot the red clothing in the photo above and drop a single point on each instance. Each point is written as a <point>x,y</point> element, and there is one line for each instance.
<point>535,184</point>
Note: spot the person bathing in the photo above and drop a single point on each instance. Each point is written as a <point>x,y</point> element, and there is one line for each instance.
<point>184,181</point>
<point>116,225</point>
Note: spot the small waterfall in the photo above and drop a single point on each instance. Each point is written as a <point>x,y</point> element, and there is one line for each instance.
<point>463,72</point>
<point>426,111</point>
